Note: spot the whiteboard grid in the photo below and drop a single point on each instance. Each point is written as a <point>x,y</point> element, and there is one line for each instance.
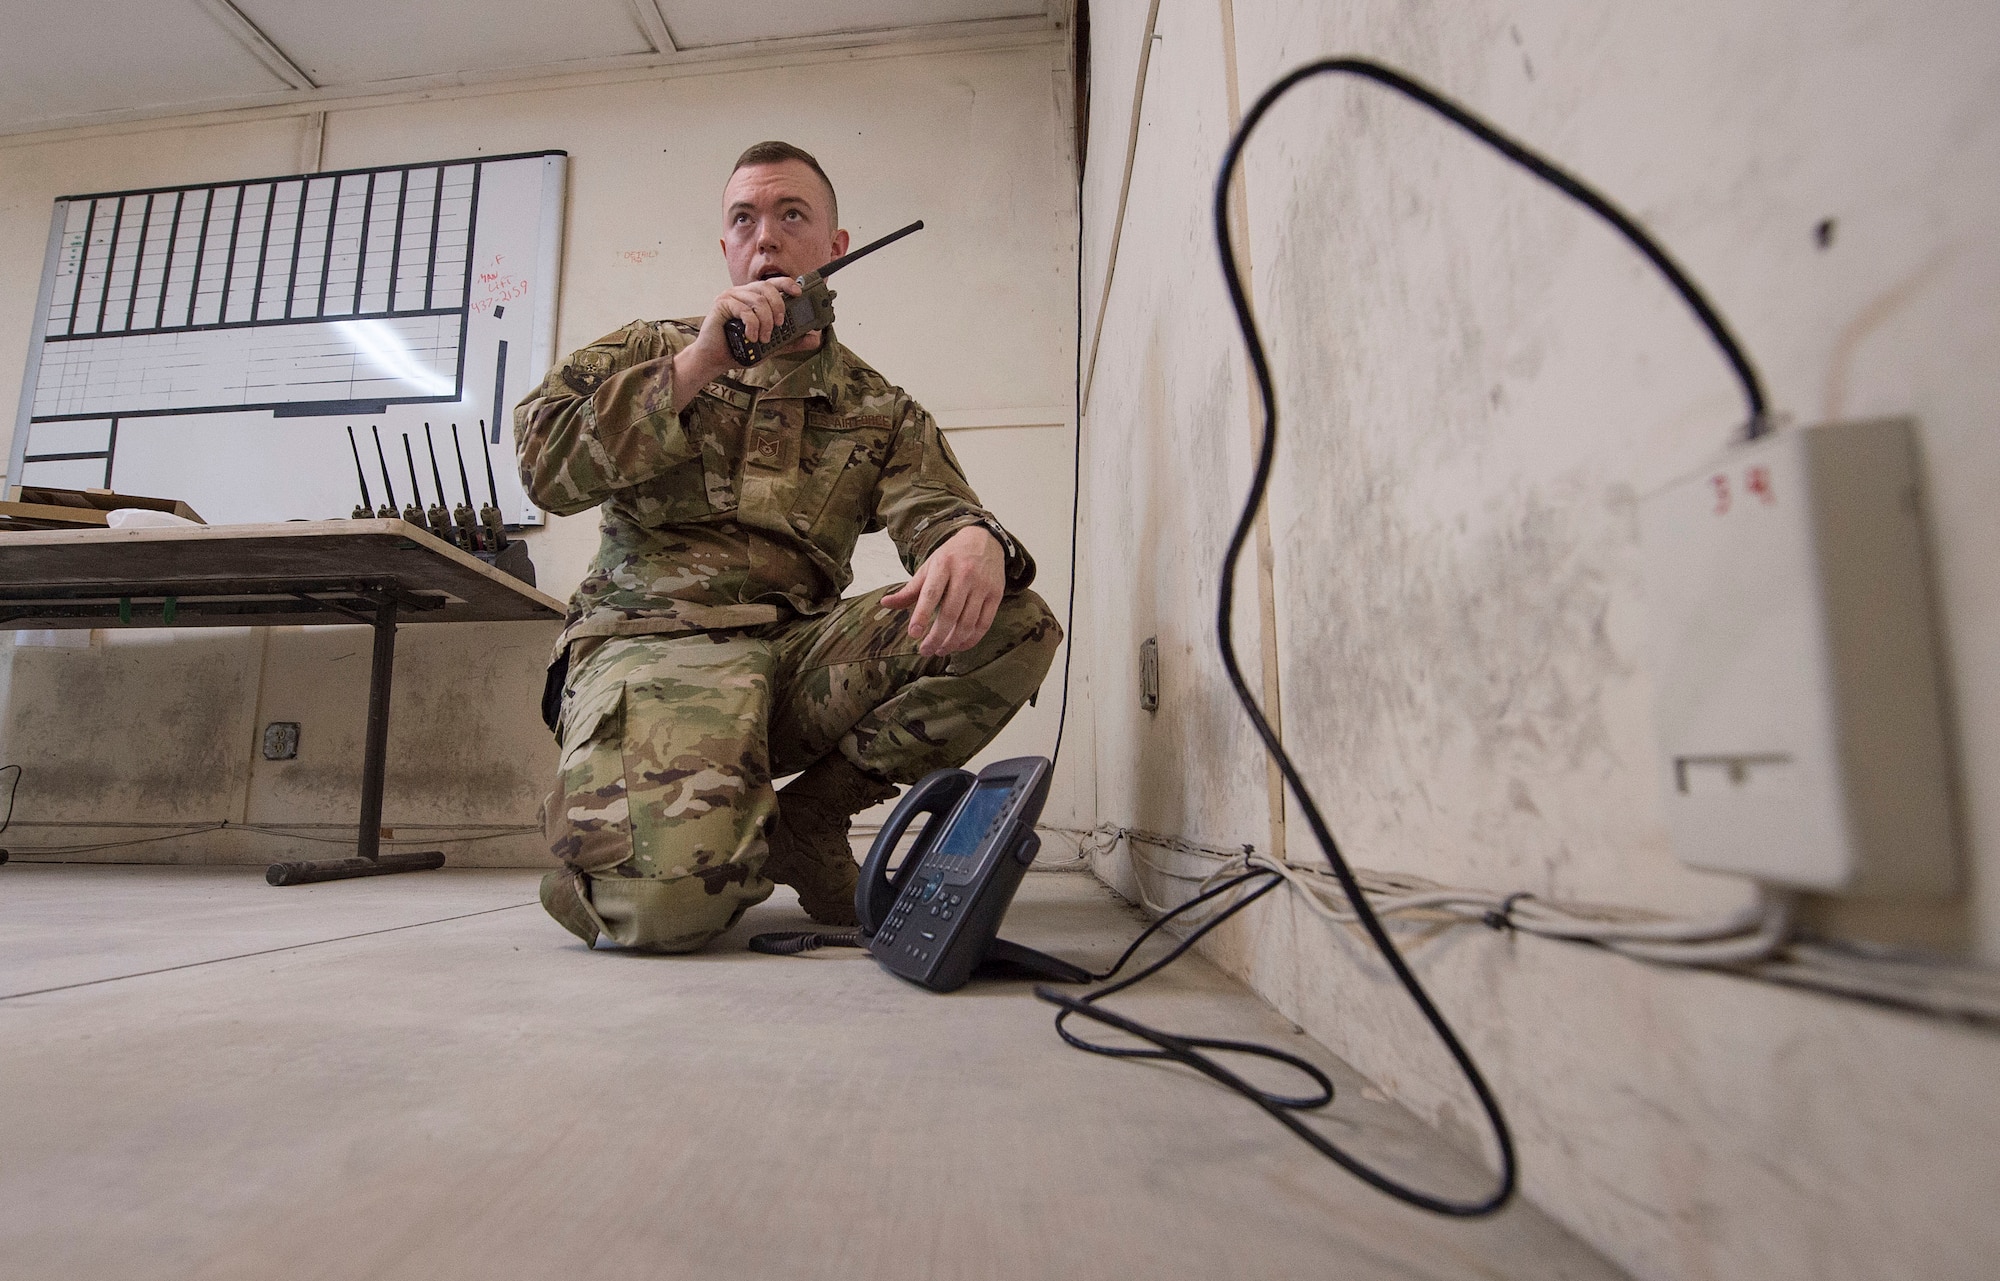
<point>206,299</point>
<point>214,341</point>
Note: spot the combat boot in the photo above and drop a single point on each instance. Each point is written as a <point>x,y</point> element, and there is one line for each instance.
<point>808,837</point>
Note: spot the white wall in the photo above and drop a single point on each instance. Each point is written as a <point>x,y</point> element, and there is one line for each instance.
<point>974,316</point>
<point>1478,381</point>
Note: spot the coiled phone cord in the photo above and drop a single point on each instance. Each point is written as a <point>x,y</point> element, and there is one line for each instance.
<point>1188,1050</point>
<point>795,942</point>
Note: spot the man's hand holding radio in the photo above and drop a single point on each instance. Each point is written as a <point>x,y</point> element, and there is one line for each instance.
<point>759,304</point>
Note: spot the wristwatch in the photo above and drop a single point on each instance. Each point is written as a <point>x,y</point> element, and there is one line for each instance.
<point>1008,547</point>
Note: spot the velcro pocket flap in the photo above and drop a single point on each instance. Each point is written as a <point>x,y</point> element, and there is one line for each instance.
<point>595,715</point>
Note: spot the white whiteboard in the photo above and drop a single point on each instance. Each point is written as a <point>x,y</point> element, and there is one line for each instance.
<point>213,343</point>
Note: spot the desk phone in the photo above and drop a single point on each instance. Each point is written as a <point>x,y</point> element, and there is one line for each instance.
<point>937,918</point>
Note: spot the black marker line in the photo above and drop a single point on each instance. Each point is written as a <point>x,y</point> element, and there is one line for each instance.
<point>110,263</point>
<point>139,262</point>
<point>263,251</point>
<point>200,249</point>
<point>396,244</point>
<point>325,173</point>
<point>361,255</point>
<point>167,271</point>
<point>465,320</point>
<point>248,324</point>
<point>229,264</point>
<point>298,235</point>
<point>326,263</point>
<point>76,298</point>
<point>285,408</point>
<point>430,267</point>
<point>499,388</point>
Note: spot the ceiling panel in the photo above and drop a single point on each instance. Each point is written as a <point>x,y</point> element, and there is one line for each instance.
<point>698,24</point>
<point>363,40</point>
<point>61,61</point>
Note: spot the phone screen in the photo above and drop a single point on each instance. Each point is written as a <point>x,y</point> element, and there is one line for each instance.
<point>974,817</point>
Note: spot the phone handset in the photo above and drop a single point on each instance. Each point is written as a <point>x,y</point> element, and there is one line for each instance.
<point>936,795</point>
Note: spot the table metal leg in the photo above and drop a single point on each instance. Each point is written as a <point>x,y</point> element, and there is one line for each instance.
<point>369,860</point>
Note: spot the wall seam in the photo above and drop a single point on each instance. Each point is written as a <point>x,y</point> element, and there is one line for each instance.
<point>1124,193</point>
<point>1267,595</point>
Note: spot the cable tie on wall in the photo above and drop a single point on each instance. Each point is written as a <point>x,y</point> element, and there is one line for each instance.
<point>1502,917</point>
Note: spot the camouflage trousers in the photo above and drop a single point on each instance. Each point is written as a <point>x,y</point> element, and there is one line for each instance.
<point>670,745</point>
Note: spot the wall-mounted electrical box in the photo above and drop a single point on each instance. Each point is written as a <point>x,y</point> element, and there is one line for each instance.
<point>1795,665</point>
<point>1149,674</point>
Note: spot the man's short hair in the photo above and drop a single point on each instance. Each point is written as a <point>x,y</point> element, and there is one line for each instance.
<point>772,153</point>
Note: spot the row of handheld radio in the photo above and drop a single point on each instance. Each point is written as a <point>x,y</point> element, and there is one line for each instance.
<point>457,526</point>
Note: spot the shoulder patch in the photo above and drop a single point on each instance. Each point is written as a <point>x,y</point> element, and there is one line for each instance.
<point>587,370</point>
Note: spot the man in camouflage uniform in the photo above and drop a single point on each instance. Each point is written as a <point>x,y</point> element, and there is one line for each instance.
<point>708,648</point>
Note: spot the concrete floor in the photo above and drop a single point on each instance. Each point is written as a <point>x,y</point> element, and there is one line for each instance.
<point>422,1076</point>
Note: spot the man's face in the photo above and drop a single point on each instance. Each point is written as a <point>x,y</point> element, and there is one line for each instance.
<point>777,221</point>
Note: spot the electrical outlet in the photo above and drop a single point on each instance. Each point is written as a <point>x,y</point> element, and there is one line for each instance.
<point>281,741</point>
<point>1794,664</point>
<point>1149,674</point>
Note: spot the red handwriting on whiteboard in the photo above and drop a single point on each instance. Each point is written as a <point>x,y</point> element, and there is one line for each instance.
<point>494,284</point>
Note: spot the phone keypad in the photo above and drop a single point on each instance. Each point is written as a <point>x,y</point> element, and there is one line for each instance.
<point>899,916</point>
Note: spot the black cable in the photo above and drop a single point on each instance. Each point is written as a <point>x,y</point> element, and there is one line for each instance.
<point>1156,926</point>
<point>1574,188</point>
<point>15,787</point>
<point>1075,484</point>
<point>1186,1050</point>
<point>1246,321</point>
<point>794,942</point>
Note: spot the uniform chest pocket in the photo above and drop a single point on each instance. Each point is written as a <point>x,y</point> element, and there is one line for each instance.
<point>841,456</point>
<point>819,486</point>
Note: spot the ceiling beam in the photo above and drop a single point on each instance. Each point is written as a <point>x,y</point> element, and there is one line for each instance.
<point>951,37</point>
<point>653,24</point>
<point>246,33</point>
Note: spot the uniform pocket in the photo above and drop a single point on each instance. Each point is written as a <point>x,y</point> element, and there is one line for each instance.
<point>846,454</point>
<point>818,487</point>
<point>590,715</point>
<point>589,820</point>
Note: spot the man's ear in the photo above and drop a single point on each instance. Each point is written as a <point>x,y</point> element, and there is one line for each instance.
<point>840,242</point>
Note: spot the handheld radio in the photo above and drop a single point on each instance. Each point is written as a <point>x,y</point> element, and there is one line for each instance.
<point>937,918</point>
<point>812,309</point>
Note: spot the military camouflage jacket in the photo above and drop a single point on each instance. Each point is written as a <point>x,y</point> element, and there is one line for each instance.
<point>744,508</point>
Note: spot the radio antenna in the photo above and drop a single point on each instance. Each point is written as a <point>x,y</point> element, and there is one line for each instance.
<point>437,477</point>
<point>367,502</point>
<point>383,459</point>
<point>870,248</point>
<point>464,485</point>
<point>492,490</point>
<point>410,458</point>
<point>489,515</point>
